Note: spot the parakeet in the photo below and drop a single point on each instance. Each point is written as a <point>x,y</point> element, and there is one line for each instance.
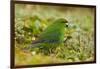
<point>50,38</point>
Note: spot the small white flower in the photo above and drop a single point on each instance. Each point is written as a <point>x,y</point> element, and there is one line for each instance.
<point>33,38</point>
<point>33,52</point>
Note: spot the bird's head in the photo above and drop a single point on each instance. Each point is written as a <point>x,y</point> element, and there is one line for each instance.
<point>62,21</point>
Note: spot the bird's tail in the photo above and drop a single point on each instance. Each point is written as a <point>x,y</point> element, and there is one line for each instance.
<point>32,47</point>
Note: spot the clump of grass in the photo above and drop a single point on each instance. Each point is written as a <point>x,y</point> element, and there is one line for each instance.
<point>23,58</point>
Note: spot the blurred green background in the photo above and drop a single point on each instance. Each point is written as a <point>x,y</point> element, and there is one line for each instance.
<point>31,20</point>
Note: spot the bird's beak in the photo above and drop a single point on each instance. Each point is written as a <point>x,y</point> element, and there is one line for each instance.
<point>70,25</point>
<point>66,24</point>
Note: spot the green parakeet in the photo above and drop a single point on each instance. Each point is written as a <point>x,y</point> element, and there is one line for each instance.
<point>50,38</point>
